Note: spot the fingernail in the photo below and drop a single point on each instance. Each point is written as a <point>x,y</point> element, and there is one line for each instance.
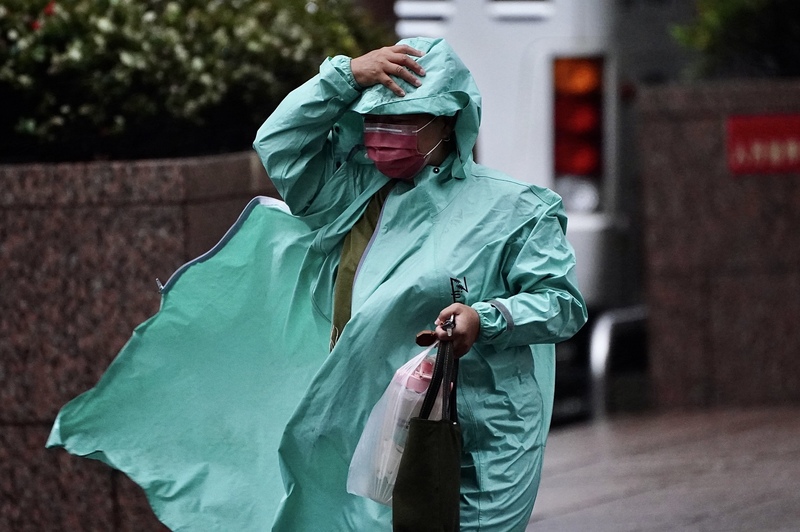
<point>401,93</point>
<point>417,82</point>
<point>422,72</point>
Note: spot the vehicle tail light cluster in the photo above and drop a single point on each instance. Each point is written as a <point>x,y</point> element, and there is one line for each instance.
<point>578,128</point>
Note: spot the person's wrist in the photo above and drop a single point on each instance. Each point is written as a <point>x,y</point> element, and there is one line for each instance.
<point>475,327</point>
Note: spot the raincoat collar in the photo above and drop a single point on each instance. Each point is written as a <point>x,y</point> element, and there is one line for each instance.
<point>437,173</point>
<point>434,188</point>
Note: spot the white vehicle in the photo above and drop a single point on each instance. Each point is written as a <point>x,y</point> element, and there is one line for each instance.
<point>551,73</point>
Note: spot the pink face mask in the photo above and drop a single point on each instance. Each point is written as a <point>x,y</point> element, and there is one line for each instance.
<point>393,148</point>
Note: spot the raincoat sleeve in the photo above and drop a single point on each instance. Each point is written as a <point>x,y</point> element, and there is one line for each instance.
<point>298,143</point>
<point>546,306</point>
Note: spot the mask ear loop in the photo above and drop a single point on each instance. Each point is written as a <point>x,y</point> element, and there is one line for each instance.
<point>426,125</point>
<point>443,139</point>
<point>427,155</point>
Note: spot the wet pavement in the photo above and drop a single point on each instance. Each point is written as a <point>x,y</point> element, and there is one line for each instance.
<point>716,470</point>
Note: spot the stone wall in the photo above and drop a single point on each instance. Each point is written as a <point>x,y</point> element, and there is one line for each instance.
<point>81,246</point>
<point>722,251</point>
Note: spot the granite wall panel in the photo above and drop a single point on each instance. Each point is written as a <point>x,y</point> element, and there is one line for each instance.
<point>203,219</point>
<point>722,251</point>
<point>73,184</point>
<point>135,514</point>
<point>754,338</point>
<point>678,333</point>
<point>52,491</point>
<point>81,246</point>
<point>76,291</point>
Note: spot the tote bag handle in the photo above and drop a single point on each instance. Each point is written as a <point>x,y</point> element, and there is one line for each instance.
<point>445,374</point>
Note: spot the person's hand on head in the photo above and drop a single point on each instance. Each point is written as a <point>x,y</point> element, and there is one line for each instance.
<point>464,334</point>
<point>378,66</point>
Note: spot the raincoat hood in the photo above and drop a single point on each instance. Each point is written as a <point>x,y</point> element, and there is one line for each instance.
<point>447,89</point>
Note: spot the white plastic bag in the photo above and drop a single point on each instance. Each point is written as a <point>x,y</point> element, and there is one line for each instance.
<point>373,469</point>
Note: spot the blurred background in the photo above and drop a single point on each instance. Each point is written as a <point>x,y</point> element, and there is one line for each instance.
<point>671,129</point>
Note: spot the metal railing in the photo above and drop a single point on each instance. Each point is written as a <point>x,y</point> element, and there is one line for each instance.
<point>608,325</point>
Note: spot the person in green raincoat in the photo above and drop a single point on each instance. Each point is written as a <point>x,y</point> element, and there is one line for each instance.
<point>285,335</point>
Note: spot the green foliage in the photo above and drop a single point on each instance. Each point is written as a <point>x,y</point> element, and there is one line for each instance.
<point>132,78</point>
<point>744,37</point>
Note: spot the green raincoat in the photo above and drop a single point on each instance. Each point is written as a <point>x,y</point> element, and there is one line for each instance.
<point>236,364</point>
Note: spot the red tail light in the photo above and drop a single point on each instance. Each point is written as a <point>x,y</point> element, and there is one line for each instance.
<point>578,116</point>
<point>578,75</point>
<point>576,157</point>
<point>578,129</point>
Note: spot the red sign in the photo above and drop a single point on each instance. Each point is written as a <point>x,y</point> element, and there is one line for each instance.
<point>768,144</point>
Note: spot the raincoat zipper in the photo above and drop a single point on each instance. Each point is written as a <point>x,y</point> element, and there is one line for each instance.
<point>369,245</point>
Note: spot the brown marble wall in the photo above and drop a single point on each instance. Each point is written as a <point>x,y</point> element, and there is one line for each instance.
<point>722,251</point>
<point>81,246</point>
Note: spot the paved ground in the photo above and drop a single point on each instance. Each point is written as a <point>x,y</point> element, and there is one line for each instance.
<point>706,471</point>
